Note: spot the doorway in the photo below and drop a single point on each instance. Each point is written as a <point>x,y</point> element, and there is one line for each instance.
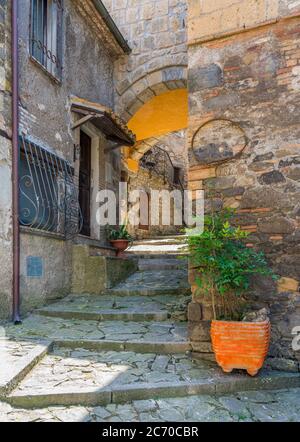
<point>85,182</point>
<point>145,205</point>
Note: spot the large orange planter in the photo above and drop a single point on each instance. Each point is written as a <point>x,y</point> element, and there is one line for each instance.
<point>241,345</point>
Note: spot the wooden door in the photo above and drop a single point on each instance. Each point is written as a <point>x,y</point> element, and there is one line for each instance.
<point>145,205</point>
<point>85,182</point>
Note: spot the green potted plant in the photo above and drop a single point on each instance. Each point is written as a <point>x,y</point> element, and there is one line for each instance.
<point>223,265</point>
<point>119,239</point>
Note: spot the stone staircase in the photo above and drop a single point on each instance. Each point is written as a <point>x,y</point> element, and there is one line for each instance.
<point>128,344</point>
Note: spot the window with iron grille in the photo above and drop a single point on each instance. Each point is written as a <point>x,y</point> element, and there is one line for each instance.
<point>46,35</point>
<point>48,191</point>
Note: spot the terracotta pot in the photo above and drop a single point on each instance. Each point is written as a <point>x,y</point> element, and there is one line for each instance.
<point>241,345</point>
<point>121,245</point>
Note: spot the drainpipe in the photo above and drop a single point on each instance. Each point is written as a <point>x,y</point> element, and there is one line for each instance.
<point>15,163</point>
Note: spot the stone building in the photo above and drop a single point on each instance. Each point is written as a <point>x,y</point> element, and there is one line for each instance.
<point>68,139</point>
<point>243,136</point>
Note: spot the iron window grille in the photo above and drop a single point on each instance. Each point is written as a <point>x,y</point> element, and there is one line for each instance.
<point>46,35</point>
<point>48,192</point>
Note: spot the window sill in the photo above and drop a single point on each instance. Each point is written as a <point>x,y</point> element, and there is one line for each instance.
<point>35,232</point>
<point>52,77</point>
<point>81,239</point>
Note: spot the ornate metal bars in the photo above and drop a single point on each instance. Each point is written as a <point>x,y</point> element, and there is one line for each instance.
<point>48,191</point>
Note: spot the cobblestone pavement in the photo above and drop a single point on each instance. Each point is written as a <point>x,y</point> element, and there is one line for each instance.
<point>73,370</point>
<point>253,406</point>
<point>108,361</point>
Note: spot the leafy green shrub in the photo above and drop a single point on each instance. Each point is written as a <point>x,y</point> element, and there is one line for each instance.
<point>223,263</point>
<point>120,233</point>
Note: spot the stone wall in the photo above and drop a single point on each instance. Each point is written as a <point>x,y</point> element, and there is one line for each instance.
<point>247,86</point>
<point>156,32</point>
<point>45,269</point>
<point>93,273</point>
<point>5,164</point>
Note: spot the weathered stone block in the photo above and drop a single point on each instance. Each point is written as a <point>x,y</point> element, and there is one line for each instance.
<point>194,312</point>
<point>204,77</point>
<point>278,224</point>
<point>199,331</point>
<point>264,197</point>
<point>201,173</point>
<point>287,285</point>
<point>273,177</point>
<point>202,347</point>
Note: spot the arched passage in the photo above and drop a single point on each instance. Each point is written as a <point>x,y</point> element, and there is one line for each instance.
<point>162,114</point>
<point>167,112</point>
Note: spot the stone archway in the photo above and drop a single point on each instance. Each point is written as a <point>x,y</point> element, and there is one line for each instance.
<point>134,95</point>
<point>164,109</point>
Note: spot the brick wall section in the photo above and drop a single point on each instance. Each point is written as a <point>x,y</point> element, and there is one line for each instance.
<point>156,32</point>
<point>258,87</point>
<point>5,163</point>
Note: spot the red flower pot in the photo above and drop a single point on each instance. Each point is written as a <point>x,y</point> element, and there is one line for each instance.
<point>121,245</point>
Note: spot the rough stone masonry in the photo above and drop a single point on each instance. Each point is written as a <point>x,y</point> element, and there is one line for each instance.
<point>244,83</point>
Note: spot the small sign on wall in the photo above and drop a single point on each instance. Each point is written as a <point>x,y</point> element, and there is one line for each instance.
<point>34,266</point>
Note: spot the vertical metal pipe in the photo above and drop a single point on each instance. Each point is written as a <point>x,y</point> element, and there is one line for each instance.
<point>15,162</point>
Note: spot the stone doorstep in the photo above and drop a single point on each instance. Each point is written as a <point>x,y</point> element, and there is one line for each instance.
<point>143,267</point>
<point>164,347</point>
<point>161,264</point>
<point>155,253</point>
<point>128,393</point>
<point>105,315</point>
<point>149,257</point>
<point>23,367</point>
<point>149,292</point>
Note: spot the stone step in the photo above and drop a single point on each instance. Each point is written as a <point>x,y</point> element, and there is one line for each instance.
<point>114,308</point>
<point>150,292</point>
<point>138,346</point>
<point>160,246</point>
<point>82,377</point>
<point>162,264</point>
<point>154,282</point>
<point>161,256</point>
<point>157,250</point>
<point>137,334</point>
<point>162,240</point>
<point>109,315</point>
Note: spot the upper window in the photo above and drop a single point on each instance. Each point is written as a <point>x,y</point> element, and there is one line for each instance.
<point>46,35</point>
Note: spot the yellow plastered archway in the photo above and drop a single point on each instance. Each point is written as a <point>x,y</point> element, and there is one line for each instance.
<point>164,113</point>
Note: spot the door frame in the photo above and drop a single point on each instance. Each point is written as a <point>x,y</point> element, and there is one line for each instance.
<point>93,133</point>
<point>86,156</point>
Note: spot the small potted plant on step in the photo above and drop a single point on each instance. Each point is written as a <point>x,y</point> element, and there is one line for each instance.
<point>120,239</point>
<point>222,265</point>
